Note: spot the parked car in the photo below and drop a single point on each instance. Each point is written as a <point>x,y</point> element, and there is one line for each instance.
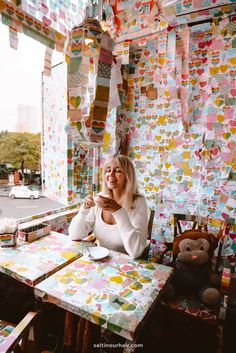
<point>23,192</point>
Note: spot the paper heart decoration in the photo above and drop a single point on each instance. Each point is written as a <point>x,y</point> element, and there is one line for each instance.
<point>20,15</point>
<point>220,118</point>
<point>185,76</point>
<point>76,48</point>
<point>70,160</point>
<point>192,72</point>
<point>232,145</point>
<point>37,25</point>
<point>29,20</point>
<point>98,127</point>
<point>142,72</point>
<point>197,97</point>
<point>214,151</point>
<point>194,81</point>
<point>198,63</point>
<point>82,156</point>
<point>232,61</point>
<point>142,64</point>
<point>215,53</point>
<point>226,135</point>
<point>46,21</point>
<point>70,192</point>
<point>224,68</point>
<point>232,73</point>
<point>184,83</point>
<point>203,83</point>
<point>219,101</point>
<point>211,209</point>
<point>187,3</point>
<point>161,61</point>
<point>10,9</point>
<point>232,123</point>
<point>146,52</point>
<point>75,101</point>
<point>200,71</point>
<point>232,91</point>
<point>197,52</point>
<point>204,60</point>
<point>201,45</point>
<point>214,70</point>
<point>46,30</point>
<point>209,42</point>
<point>215,89</point>
<point>215,61</point>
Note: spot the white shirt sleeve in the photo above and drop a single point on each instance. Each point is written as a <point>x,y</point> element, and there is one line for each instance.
<point>82,224</point>
<point>133,227</point>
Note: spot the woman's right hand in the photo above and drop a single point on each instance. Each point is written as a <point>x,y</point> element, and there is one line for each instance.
<point>88,202</point>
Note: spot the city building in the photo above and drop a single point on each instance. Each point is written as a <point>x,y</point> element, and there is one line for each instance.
<point>27,119</point>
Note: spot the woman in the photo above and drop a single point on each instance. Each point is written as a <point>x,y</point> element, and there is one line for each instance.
<point>118,216</point>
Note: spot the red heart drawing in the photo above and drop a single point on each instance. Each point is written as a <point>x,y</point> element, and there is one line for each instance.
<point>185,76</point>
<point>203,83</point>
<point>233,92</point>
<point>46,21</point>
<point>200,71</point>
<point>201,45</point>
<point>215,150</point>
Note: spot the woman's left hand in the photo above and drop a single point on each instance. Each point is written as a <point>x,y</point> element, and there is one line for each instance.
<point>108,204</point>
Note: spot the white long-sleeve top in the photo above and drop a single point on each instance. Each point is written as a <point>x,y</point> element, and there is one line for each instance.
<point>128,235</point>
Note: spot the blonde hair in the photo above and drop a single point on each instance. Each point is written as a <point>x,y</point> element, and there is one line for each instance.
<point>131,187</point>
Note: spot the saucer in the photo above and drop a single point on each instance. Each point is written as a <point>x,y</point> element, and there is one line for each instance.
<point>96,252</point>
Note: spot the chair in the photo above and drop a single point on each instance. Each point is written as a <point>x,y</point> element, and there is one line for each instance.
<point>16,338</point>
<point>193,312</point>
<point>145,254</point>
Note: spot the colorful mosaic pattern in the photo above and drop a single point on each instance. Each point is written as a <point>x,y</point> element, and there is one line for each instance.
<point>193,307</point>
<point>183,166</point>
<point>114,293</point>
<point>30,263</point>
<point>5,330</point>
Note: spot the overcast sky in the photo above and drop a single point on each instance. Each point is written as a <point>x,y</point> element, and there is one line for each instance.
<point>20,76</point>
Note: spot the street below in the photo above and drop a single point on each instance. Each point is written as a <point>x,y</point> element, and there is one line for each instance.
<point>20,208</point>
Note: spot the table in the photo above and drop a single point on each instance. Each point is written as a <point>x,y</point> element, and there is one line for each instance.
<point>115,293</point>
<point>30,263</point>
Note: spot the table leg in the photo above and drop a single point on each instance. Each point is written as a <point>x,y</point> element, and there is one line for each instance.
<point>80,334</point>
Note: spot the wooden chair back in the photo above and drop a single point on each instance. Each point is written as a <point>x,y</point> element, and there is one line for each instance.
<point>217,227</point>
<point>15,338</point>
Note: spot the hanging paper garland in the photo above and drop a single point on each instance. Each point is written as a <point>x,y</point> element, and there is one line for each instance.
<point>89,71</point>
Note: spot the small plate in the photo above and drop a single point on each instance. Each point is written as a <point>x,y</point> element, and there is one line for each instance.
<point>96,252</point>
